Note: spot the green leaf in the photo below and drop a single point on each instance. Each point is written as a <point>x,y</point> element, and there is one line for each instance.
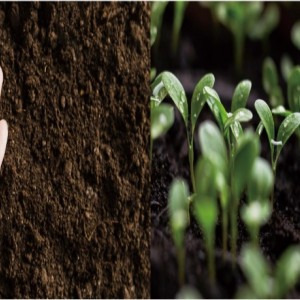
<point>276,96</point>
<point>176,92</point>
<point>295,34</point>
<point>178,210</point>
<point>281,111</point>
<point>198,99</point>
<point>157,12</point>
<point>270,76</point>
<point>261,180</point>
<point>294,90</point>
<point>287,271</point>
<point>240,95</point>
<point>162,118</point>
<point>206,214</point>
<point>260,128</point>
<point>179,11</point>
<point>266,117</point>
<point>256,213</point>
<point>240,115</point>
<point>237,130</point>
<point>286,129</point>
<point>256,270</point>
<point>159,91</point>
<point>213,146</point>
<point>205,178</point>
<point>286,66</point>
<point>263,27</point>
<point>216,106</point>
<point>246,153</point>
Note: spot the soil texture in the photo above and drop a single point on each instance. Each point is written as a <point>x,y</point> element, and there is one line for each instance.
<point>206,49</point>
<point>74,215</point>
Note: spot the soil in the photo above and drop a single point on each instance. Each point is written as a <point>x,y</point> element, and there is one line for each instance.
<point>74,215</point>
<point>197,55</point>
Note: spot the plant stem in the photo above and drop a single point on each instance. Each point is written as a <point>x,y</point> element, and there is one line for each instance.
<point>191,161</point>
<point>233,221</point>
<point>224,230</point>
<point>210,256</point>
<point>254,236</point>
<point>181,261</point>
<point>273,189</point>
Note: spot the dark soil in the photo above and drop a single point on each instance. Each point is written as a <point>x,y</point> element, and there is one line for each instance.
<point>74,215</point>
<point>198,54</point>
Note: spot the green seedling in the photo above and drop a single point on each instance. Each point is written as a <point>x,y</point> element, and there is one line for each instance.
<point>274,91</point>
<point>231,129</point>
<point>271,83</point>
<point>265,282</point>
<point>165,84</point>
<point>286,129</point>
<point>179,220</point>
<point>205,208</point>
<point>213,147</point>
<point>162,118</point>
<point>3,127</point>
<point>258,209</point>
<point>179,10</point>
<point>246,20</point>
<point>241,165</point>
<point>157,12</point>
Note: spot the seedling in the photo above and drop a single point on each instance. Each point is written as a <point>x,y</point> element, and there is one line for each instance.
<point>213,147</point>
<point>258,209</point>
<point>157,12</point>
<point>286,129</point>
<point>246,19</point>
<point>265,282</point>
<point>230,126</point>
<point>205,208</point>
<point>179,220</point>
<point>162,118</point>
<point>167,84</point>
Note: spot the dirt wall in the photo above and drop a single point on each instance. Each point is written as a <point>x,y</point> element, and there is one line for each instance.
<point>74,215</point>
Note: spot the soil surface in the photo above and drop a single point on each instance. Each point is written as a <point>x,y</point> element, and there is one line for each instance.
<point>74,215</point>
<point>200,52</point>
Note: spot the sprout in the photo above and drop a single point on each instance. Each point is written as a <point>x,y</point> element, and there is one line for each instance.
<point>246,19</point>
<point>213,148</point>
<point>286,129</point>
<point>179,220</point>
<point>265,283</point>
<point>162,118</point>
<point>205,208</point>
<point>167,84</point>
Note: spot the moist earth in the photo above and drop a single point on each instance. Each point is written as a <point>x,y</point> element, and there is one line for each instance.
<point>74,215</point>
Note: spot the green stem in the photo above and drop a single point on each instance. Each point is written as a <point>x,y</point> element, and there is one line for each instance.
<point>211,258</point>
<point>224,230</point>
<point>181,262</point>
<point>234,230</point>
<point>191,162</point>
<point>254,236</point>
<point>273,189</point>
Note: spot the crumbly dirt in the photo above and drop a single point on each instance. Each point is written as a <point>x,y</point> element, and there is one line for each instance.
<point>74,215</point>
